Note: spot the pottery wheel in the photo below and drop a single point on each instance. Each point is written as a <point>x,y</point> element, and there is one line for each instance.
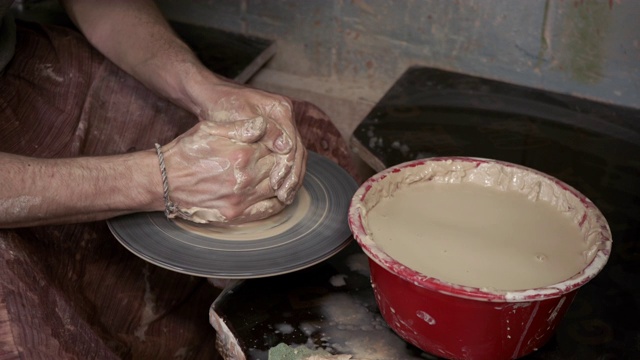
<point>307,232</point>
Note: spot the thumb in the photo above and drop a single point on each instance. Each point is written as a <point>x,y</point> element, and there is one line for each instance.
<point>246,131</point>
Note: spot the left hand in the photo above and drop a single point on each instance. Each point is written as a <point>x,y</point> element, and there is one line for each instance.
<point>216,179</point>
<point>225,102</point>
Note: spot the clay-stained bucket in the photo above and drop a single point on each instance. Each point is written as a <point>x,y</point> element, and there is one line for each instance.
<point>459,322</point>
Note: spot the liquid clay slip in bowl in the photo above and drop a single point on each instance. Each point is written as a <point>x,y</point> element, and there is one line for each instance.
<point>474,258</point>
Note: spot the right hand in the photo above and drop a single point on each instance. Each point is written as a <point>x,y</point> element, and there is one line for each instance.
<point>218,174</point>
<point>222,102</point>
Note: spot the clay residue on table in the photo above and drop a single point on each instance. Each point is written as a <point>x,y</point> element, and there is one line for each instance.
<point>285,352</point>
<point>255,230</point>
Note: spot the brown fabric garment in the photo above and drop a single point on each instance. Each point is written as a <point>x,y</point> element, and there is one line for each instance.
<point>72,291</point>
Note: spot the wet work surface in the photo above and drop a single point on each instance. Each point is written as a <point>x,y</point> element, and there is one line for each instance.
<point>330,306</point>
<point>592,146</point>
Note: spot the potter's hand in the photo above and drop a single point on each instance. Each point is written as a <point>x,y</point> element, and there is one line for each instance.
<point>135,36</point>
<point>231,103</point>
<point>214,179</point>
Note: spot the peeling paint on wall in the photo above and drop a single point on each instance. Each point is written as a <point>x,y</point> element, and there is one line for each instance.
<point>586,48</point>
<point>584,26</point>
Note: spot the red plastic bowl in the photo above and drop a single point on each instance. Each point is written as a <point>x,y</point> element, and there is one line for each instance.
<point>459,322</point>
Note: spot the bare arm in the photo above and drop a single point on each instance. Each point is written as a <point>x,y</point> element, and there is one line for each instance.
<point>44,191</point>
<point>217,173</point>
<point>135,36</point>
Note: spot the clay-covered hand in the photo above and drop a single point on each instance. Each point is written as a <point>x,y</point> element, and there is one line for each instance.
<point>214,178</point>
<point>233,103</point>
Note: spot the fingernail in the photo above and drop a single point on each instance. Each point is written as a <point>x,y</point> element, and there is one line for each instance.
<point>252,129</point>
<point>286,192</point>
<point>283,143</point>
<point>277,175</point>
<point>285,196</point>
<point>289,197</point>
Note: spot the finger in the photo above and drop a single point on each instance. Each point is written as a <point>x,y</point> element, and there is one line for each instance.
<point>280,170</point>
<point>263,209</point>
<point>250,175</point>
<point>284,133</point>
<point>243,208</point>
<point>262,203</point>
<point>263,192</point>
<point>246,131</point>
<point>285,161</point>
<point>264,169</point>
<point>277,138</point>
<point>286,192</point>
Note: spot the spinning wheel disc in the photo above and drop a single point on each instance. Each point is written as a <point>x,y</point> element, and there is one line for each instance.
<point>307,232</point>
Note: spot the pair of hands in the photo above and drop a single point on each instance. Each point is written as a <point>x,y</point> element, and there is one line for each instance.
<point>243,161</point>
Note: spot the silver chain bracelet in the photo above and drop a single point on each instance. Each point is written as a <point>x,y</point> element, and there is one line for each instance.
<point>169,207</point>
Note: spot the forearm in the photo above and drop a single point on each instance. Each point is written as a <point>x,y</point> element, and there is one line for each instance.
<point>53,191</point>
<point>135,36</point>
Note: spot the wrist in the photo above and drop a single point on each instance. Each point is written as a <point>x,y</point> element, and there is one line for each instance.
<point>147,180</point>
<point>175,75</point>
<point>200,87</point>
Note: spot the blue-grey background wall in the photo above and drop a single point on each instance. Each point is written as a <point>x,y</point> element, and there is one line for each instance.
<point>589,48</point>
